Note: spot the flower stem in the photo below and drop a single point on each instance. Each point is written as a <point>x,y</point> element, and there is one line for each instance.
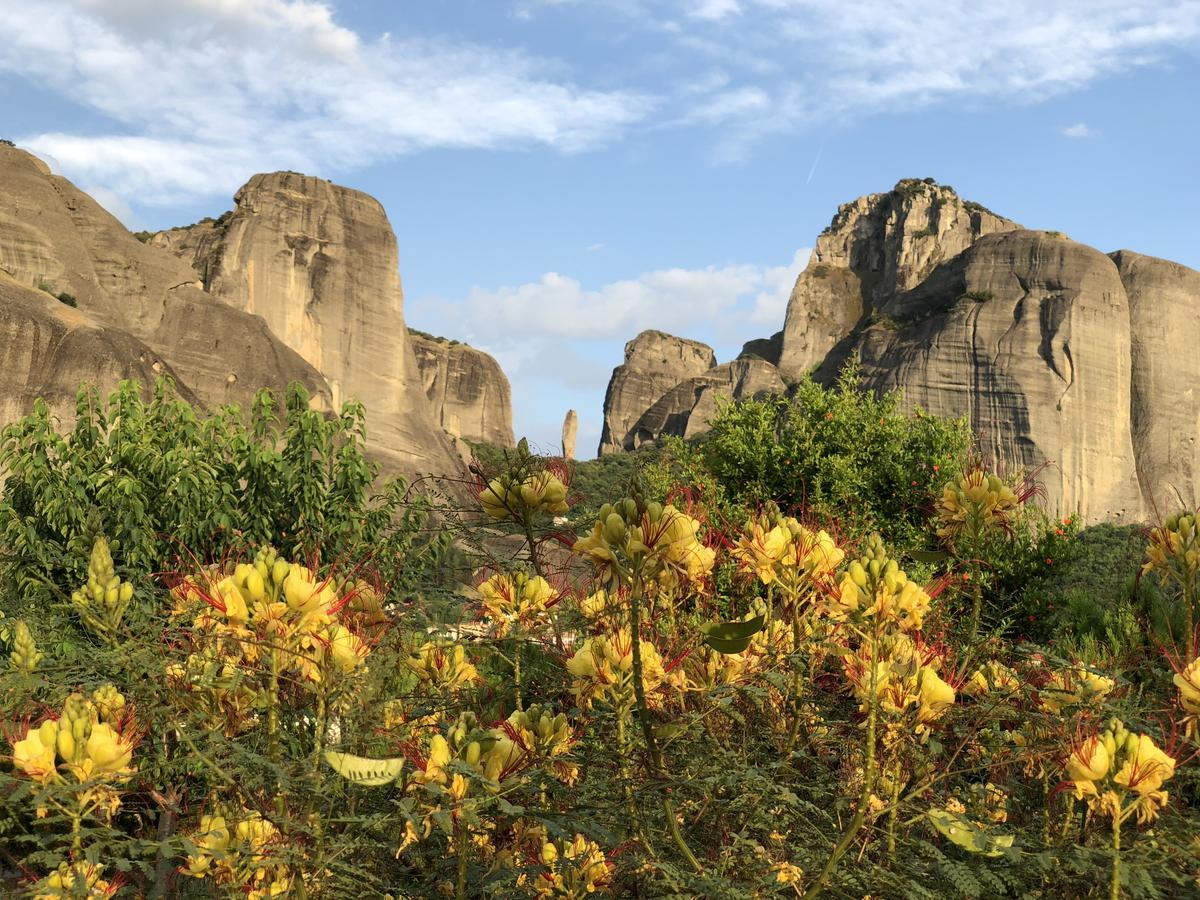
<point>864,797</point>
<point>1115,889</point>
<point>653,752</point>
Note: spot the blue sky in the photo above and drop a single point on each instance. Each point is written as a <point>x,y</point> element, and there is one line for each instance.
<point>564,173</point>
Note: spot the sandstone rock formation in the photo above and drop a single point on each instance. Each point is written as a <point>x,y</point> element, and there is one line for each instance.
<point>1054,352</point>
<point>876,246</point>
<point>769,349</point>
<point>654,363</point>
<point>469,393</point>
<point>53,235</point>
<point>686,409</point>
<point>1027,334</point>
<point>319,263</point>
<point>570,431</point>
<point>47,349</point>
<point>1164,314</point>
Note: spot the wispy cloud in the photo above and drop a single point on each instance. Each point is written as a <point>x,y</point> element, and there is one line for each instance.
<point>1080,130</point>
<point>555,334</point>
<point>789,64</point>
<point>202,93</point>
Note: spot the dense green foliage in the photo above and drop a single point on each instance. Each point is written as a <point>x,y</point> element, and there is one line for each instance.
<point>506,739</point>
<point>838,453</point>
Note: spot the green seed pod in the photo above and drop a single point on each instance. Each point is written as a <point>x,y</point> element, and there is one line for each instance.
<point>858,574</point>
<point>614,529</point>
<point>605,511</point>
<point>654,511</point>
<point>875,567</point>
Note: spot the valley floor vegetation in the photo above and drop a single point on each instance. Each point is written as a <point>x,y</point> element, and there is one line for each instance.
<point>823,651</point>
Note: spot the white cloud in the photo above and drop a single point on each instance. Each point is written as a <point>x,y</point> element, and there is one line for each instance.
<point>1078,131</point>
<point>205,92</point>
<point>558,341</point>
<point>715,9</point>
<point>803,62</point>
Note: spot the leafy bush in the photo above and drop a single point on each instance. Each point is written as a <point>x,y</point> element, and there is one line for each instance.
<point>701,697</point>
<point>165,482</point>
<point>839,453</point>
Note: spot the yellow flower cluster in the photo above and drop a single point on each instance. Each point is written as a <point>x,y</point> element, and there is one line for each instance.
<point>1187,680</point>
<point>660,539</point>
<point>603,670</point>
<point>878,588</point>
<point>86,742</point>
<point>512,497</point>
<point>574,869</point>
<point>972,503</point>
<point>1073,687</point>
<point>515,599</point>
<point>902,681</point>
<point>76,881</point>
<point>992,677</point>
<point>102,602</point>
<point>780,548</point>
<point>1174,547</point>
<point>272,605</point>
<point>236,850</point>
<point>1107,768</point>
<point>442,665</point>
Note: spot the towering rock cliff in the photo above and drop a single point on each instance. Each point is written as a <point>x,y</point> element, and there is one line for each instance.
<point>1054,352</point>
<point>468,390</point>
<point>47,349</point>
<point>654,363</point>
<point>1027,334</point>
<point>319,263</point>
<point>54,236</point>
<point>876,246</point>
<point>1164,314</point>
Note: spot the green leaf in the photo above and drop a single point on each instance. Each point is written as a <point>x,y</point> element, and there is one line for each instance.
<point>966,834</point>
<point>732,637</point>
<point>928,556</point>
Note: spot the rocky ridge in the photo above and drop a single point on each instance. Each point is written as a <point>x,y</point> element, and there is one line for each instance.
<point>55,238</point>
<point>1058,355</point>
<point>469,393</point>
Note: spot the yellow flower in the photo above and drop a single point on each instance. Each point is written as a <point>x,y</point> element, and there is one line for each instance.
<point>787,873</point>
<point>972,503</point>
<point>35,755</point>
<point>108,752</point>
<point>760,551</point>
<point>1146,766</point>
<point>346,649</point>
<point>936,696</point>
<point>211,842</point>
<point>443,665</point>
<point>79,881</point>
<point>1087,764</point>
<point>516,598</point>
<point>1188,683</point>
<point>595,605</point>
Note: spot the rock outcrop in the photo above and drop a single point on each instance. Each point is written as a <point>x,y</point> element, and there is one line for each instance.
<point>469,393</point>
<point>48,349</point>
<point>1027,334</point>
<point>654,363</point>
<point>54,236</point>
<point>876,247</point>
<point>570,431</point>
<point>319,263</point>
<point>687,408</point>
<point>1055,353</point>
<point>1164,314</point>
